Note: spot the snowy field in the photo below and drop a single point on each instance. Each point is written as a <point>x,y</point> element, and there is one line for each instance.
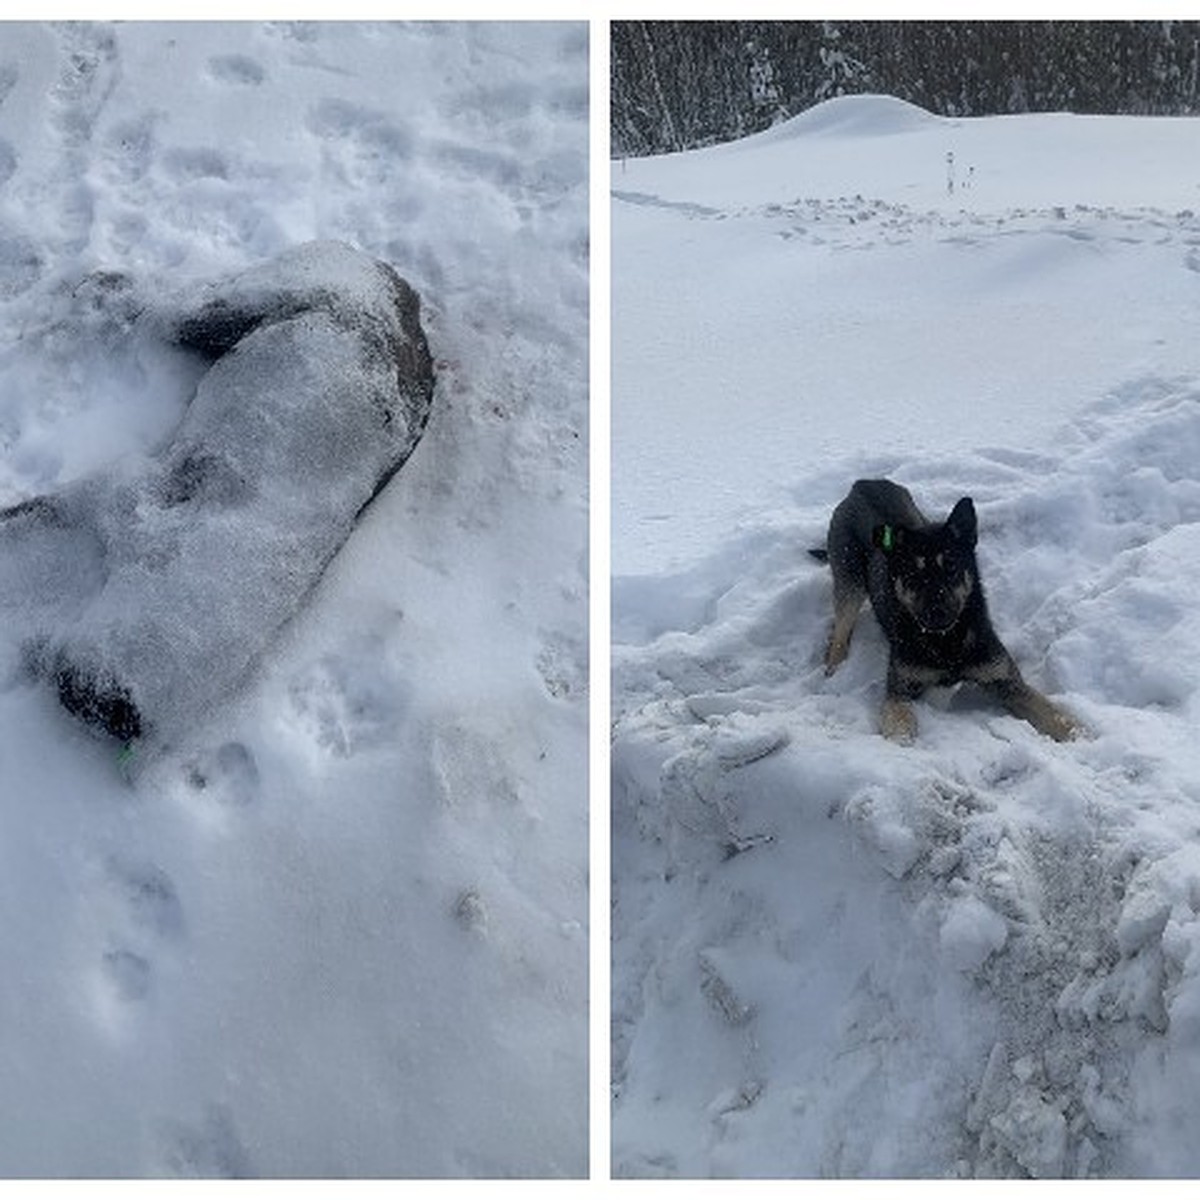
<point>339,926</point>
<point>978,955</point>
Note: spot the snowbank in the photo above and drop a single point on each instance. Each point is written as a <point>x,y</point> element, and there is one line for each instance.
<point>854,116</point>
<point>990,935</point>
<point>975,956</point>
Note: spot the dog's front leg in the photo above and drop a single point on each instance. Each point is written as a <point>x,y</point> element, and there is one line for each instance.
<point>897,721</point>
<point>847,601</point>
<point>1029,704</point>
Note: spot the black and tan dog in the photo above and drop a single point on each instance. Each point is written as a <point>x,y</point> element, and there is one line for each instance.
<point>923,583</point>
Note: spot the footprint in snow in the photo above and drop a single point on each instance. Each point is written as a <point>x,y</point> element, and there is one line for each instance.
<point>237,70</point>
<point>361,145</point>
<point>127,974</point>
<point>347,702</point>
<point>129,149</point>
<point>1013,766</point>
<point>145,916</point>
<point>207,1149</point>
<point>185,164</point>
<point>501,170</point>
<point>21,264</point>
<point>149,898</point>
<point>226,776</point>
<point>87,73</point>
<point>9,74</point>
<point>8,162</point>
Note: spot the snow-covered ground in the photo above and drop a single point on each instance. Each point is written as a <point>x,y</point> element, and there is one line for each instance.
<point>979,954</point>
<point>342,928</point>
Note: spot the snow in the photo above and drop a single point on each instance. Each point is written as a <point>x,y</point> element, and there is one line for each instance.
<point>337,924</point>
<point>978,955</point>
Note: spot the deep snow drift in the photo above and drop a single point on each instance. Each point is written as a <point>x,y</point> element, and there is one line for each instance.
<point>337,927</point>
<point>978,955</point>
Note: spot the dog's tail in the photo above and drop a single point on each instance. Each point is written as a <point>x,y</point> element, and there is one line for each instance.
<point>820,553</point>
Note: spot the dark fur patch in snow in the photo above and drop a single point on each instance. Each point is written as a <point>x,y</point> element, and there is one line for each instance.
<point>318,388</point>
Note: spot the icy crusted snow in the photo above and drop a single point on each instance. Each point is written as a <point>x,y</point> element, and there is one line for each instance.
<point>340,927</point>
<point>977,955</point>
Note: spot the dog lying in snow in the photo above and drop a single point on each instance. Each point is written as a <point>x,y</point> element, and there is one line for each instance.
<point>149,596</point>
<point>923,583</point>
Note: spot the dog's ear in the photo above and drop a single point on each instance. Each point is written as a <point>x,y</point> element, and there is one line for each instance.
<point>961,522</point>
<point>886,537</point>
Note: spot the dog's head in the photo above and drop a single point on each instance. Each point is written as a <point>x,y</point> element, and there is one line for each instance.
<point>932,570</point>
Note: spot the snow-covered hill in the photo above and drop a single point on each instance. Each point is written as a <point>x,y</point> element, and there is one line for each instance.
<point>978,955</point>
<point>341,930</point>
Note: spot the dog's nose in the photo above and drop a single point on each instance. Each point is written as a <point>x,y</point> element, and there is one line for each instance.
<point>938,616</point>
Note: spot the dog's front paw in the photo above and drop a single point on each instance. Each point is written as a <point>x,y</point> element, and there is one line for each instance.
<point>1062,727</point>
<point>1051,721</point>
<point>835,655</point>
<point>897,721</point>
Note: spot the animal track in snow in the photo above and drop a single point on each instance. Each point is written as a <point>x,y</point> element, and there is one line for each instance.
<point>88,70</point>
<point>140,904</point>
<point>128,974</point>
<point>226,776</point>
<point>237,70</point>
<point>858,223</point>
<point>183,164</point>
<point>207,1149</point>
<point>87,75</point>
<point>348,702</point>
<point>129,148</point>
<point>501,170</point>
<point>8,162</point>
<point>362,145</point>
<point>149,897</point>
<point>9,75</point>
<point>21,265</point>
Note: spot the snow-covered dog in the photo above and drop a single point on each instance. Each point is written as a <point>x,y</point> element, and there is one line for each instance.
<point>148,595</point>
<point>923,582</point>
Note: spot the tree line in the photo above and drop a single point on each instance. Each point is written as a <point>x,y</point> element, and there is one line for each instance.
<point>676,85</point>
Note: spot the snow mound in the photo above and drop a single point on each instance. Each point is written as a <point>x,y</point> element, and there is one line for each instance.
<point>865,116</point>
<point>150,593</point>
<point>976,956</point>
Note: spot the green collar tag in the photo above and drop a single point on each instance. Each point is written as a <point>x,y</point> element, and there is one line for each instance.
<point>887,539</point>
